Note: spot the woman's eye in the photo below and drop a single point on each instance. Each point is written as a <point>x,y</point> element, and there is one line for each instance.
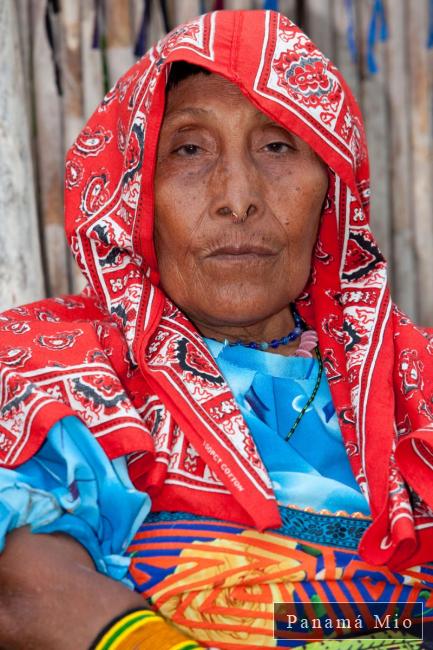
<point>187,150</point>
<point>278,147</point>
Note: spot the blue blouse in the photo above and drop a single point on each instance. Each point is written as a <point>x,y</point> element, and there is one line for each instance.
<point>311,469</point>
<point>71,487</point>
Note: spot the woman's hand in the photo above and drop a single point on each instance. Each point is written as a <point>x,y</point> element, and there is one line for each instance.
<point>51,595</point>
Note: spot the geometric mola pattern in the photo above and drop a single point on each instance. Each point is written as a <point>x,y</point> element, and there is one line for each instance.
<point>218,581</point>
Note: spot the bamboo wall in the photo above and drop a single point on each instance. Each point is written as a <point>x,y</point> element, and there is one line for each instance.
<point>51,79</point>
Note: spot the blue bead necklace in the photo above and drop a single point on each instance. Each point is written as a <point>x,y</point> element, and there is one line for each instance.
<point>275,343</point>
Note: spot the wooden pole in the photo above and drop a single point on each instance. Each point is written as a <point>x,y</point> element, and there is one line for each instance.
<point>237,4</point>
<point>373,95</point>
<point>91,61</point>
<point>343,58</point>
<point>319,24</point>
<point>184,11</point>
<point>73,118</point>
<point>120,46</point>
<point>21,275</point>
<point>71,71</point>
<point>289,9</point>
<point>420,81</point>
<point>25,38</point>
<point>156,27</point>
<point>49,153</point>
<point>400,188</point>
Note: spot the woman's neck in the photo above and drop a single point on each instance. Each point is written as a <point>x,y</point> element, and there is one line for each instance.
<point>272,328</point>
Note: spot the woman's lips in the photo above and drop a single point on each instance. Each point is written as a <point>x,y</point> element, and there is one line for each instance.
<point>242,252</point>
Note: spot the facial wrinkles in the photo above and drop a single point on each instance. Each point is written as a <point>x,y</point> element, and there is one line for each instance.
<point>232,177</point>
<point>232,166</point>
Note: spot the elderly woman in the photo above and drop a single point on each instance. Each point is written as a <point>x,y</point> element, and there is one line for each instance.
<point>233,414</point>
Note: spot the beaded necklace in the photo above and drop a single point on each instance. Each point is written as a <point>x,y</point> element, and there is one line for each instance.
<point>275,343</point>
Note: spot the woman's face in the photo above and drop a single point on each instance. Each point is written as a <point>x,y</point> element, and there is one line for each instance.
<point>217,153</point>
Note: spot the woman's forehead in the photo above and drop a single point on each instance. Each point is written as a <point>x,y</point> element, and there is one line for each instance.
<point>210,98</point>
<point>206,89</point>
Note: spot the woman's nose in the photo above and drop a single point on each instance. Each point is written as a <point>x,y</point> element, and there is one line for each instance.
<point>236,189</point>
<point>238,217</point>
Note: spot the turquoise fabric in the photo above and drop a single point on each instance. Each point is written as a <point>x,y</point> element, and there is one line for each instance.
<point>70,486</point>
<point>312,469</point>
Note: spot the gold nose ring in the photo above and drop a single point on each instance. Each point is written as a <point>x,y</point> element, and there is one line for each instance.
<point>239,218</point>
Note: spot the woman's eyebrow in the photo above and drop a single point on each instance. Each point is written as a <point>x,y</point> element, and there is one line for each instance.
<point>189,111</point>
<point>267,121</point>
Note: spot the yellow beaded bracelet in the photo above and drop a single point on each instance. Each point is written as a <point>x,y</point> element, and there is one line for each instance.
<point>142,629</point>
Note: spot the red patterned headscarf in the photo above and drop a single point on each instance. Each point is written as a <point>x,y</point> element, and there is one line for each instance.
<point>135,370</point>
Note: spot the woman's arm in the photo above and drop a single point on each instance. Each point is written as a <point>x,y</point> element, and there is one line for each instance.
<point>52,597</point>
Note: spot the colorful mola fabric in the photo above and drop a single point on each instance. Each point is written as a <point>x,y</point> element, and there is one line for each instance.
<point>219,583</point>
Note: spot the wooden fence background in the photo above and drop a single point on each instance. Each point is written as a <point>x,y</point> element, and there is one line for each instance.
<point>51,79</point>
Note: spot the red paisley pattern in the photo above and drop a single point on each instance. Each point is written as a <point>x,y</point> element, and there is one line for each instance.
<point>73,173</point>
<point>92,142</point>
<point>138,373</point>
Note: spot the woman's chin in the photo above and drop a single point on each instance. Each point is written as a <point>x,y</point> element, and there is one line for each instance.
<point>235,316</point>
<point>246,303</point>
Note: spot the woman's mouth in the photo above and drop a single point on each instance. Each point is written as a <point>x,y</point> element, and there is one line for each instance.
<point>243,253</point>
